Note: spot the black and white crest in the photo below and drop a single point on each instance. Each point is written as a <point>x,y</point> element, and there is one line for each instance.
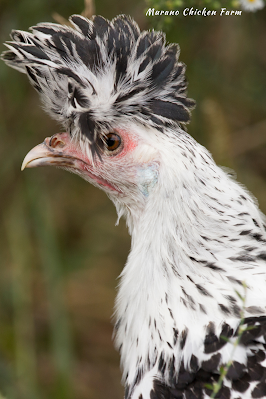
<point>99,70</point>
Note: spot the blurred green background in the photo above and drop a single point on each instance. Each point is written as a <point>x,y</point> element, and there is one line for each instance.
<point>60,253</point>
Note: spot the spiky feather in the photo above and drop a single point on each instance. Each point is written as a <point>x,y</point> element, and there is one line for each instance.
<point>90,75</point>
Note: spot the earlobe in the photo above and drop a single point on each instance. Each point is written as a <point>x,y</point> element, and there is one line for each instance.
<point>148,178</point>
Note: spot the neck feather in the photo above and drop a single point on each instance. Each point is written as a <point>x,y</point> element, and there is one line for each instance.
<point>187,260</point>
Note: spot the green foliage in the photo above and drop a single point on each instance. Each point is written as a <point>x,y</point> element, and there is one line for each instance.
<point>215,388</point>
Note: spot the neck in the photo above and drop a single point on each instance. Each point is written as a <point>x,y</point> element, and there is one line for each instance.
<point>179,276</point>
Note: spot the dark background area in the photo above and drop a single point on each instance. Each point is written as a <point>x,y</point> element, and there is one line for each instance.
<point>60,252</point>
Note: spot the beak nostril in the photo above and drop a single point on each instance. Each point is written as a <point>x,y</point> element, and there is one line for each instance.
<point>56,142</point>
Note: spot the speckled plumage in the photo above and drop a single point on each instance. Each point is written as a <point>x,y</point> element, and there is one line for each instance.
<point>126,73</point>
<point>196,233</point>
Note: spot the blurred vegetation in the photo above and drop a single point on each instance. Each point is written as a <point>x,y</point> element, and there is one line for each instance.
<point>60,251</point>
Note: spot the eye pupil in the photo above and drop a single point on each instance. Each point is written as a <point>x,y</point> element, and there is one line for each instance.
<point>112,141</point>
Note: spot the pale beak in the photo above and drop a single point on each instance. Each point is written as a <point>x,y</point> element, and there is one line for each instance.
<point>52,152</point>
<point>59,150</point>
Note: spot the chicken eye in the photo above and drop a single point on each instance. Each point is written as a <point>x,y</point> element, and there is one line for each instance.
<point>112,141</point>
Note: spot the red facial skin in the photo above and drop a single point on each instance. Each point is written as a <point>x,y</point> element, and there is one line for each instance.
<point>60,150</point>
<point>129,144</point>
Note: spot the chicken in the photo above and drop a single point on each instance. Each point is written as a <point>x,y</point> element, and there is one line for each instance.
<point>192,295</point>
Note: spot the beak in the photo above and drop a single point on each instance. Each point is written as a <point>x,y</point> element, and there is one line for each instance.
<point>54,151</point>
<point>59,150</point>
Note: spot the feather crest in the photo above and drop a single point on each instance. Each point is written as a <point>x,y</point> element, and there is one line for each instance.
<point>113,70</point>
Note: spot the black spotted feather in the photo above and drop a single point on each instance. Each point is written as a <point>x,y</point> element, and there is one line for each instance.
<point>146,80</point>
<point>242,380</point>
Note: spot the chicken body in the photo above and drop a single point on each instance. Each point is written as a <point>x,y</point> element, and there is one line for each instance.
<point>197,261</point>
